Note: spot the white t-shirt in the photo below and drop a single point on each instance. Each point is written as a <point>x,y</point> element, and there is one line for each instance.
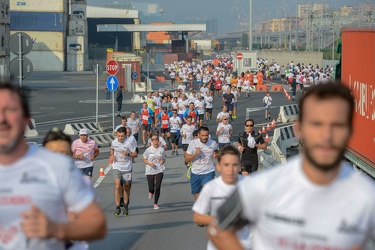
<point>199,106</point>
<point>172,75</point>
<point>162,142</point>
<point>154,155</point>
<point>117,127</point>
<point>175,123</point>
<point>212,196</point>
<point>182,106</point>
<point>133,125</point>
<point>293,211</point>
<point>208,100</point>
<point>224,136</point>
<point>204,91</point>
<point>48,180</point>
<point>204,162</point>
<point>121,162</point>
<point>235,93</point>
<point>221,114</point>
<point>188,131</point>
<point>183,87</point>
<point>267,100</point>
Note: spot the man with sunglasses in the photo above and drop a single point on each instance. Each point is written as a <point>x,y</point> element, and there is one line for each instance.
<point>85,150</point>
<point>248,143</point>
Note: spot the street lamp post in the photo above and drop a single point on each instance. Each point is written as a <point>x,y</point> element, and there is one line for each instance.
<point>251,26</point>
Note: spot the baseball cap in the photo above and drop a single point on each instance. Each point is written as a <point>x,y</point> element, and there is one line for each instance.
<point>83,132</point>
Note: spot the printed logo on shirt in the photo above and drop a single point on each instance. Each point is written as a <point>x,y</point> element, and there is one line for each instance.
<point>346,228</point>
<point>289,220</point>
<point>7,234</point>
<point>26,179</point>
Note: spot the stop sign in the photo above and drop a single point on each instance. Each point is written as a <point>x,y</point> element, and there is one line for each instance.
<point>239,56</point>
<point>112,68</point>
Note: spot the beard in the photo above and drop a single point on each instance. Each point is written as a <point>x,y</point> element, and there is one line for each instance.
<point>6,149</point>
<point>324,167</point>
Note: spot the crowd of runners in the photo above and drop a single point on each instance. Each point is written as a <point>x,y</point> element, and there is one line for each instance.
<point>164,121</point>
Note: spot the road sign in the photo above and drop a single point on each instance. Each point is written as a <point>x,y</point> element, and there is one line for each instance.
<point>134,75</point>
<point>239,56</point>
<point>100,69</point>
<point>112,83</point>
<point>112,67</point>
<point>27,68</point>
<point>27,43</point>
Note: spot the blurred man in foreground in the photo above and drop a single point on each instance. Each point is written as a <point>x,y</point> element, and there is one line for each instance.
<point>315,201</point>
<point>38,186</point>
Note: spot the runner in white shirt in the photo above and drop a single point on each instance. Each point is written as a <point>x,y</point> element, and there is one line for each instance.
<point>320,202</point>
<point>216,192</point>
<point>176,124</point>
<point>182,106</point>
<point>154,158</point>
<point>201,152</point>
<point>182,87</point>
<point>38,187</point>
<point>267,102</point>
<point>209,100</point>
<point>134,124</point>
<point>224,131</point>
<point>223,113</point>
<point>172,75</point>
<point>123,124</point>
<point>204,90</point>
<point>122,152</point>
<point>199,106</point>
<point>235,102</point>
<point>187,134</point>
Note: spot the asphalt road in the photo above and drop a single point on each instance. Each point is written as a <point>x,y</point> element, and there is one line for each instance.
<point>59,98</point>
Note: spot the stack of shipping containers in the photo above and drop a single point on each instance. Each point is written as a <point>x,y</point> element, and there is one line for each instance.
<point>45,22</point>
<point>4,37</point>
<point>77,41</point>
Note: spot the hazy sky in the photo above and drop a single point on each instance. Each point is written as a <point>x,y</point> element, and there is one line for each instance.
<point>227,14</point>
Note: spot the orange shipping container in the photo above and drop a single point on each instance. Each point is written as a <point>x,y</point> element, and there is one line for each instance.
<point>358,73</point>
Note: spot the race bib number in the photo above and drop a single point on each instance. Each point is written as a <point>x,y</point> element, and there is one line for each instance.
<point>164,122</point>
<point>144,117</point>
<point>127,177</point>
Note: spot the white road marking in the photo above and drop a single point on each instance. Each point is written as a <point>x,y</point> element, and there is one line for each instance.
<point>101,178</point>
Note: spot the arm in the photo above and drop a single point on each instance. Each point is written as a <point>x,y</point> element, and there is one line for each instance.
<point>261,146</point>
<point>202,219</point>
<point>148,162</point>
<point>96,152</point>
<point>111,154</point>
<point>190,157</point>
<point>223,239</point>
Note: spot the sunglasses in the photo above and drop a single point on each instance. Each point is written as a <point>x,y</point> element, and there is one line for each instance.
<point>251,125</point>
<point>83,135</point>
<point>154,139</point>
<point>225,119</point>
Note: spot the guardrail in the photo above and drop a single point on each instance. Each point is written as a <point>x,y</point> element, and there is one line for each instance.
<point>103,140</point>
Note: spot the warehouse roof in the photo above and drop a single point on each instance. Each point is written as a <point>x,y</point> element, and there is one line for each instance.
<point>149,27</point>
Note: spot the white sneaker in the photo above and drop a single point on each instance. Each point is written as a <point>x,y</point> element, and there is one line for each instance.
<point>156,206</point>
<point>150,195</point>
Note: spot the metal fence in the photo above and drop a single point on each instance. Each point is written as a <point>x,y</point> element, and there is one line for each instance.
<point>329,62</point>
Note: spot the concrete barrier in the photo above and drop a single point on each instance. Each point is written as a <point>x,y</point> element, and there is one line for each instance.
<point>289,113</point>
<point>283,138</point>
<point>103,140</point>
<point>30,130</point>
<point>137,98</point>
<point>73,129</point>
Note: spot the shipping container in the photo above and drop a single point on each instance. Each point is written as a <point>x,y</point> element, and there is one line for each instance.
<point>121,74</point>
<point>102,12</point>
<point>77,27</point>
<point>37,5</point>
<point>77,44</point>
<point>2,40</point>
<point>37,21</point>
<point>201,44</point>
<point>357,66</point>
<point>4,68</point>
<point>75,62</point>
<point>159,59</point>
<point>78,11</point>
<point>170,58</point>
<point>46,41</point>
<point>46,60</point>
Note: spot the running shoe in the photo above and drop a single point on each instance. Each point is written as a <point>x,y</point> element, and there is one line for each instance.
<point>125,212</point>
<point>173,152</point>
<point>150,195</point>
<point>176,152</point>
<point>117,211</point>
<point>156,206</point>
<point>122,204</point>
